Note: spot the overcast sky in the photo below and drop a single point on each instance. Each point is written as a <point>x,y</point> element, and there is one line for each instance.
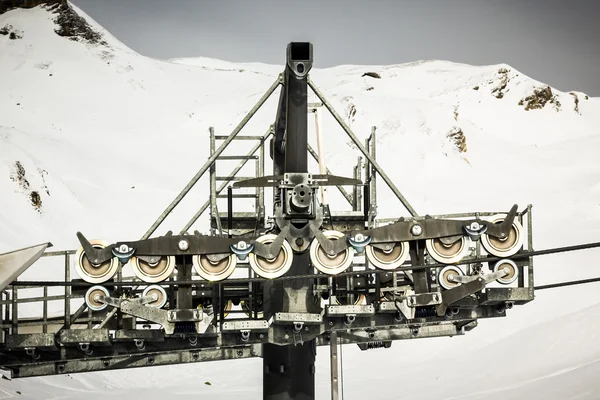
<point>554,41</point>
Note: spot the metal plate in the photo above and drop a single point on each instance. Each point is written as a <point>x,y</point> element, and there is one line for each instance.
<point>184,315</point>
<point>76,336</point>
<point>30,340</point>
<point>250,325</point>
<point>354,310</point>
<point>307,318</point>
<point>424,299</point>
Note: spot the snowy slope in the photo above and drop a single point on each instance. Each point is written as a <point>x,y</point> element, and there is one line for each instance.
<point>108,137</point>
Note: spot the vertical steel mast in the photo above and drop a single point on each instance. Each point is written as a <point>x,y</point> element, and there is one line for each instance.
<point>289,371</point>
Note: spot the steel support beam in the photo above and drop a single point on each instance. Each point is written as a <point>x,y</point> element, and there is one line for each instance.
<point>362,149</point>
<point>289,371</point>
<point>212,159</point>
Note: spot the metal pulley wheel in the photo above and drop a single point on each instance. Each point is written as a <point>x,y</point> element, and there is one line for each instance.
<point>91,299</point>
<point>446,274</point>
<point>512,271</point>
<point>330,264</point>
<point>95,272</point>
<point>153,272</point>
<point>503,247</point>
<point>448,253</point>
<point>388,258</point>
<point>276,265</point>
<point>159,293</point>
<point>214,270</point>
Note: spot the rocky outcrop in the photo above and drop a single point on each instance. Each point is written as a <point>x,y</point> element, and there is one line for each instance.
<point>6,5</point>
<point>457,137</point>
<point>539,99</point>
<point>70,24</point>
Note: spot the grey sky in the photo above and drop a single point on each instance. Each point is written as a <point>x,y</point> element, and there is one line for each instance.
<point>554,41</point>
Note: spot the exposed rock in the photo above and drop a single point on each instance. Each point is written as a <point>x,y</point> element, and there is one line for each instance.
<point>70,24</point>
<point>457,137</point>
<point>36,200</point>
<point>576,99</point>
<point>18,175</point>
<point>6,5</point>
<point>370,88</point>
<point>73,26</point>
<point>11,32</point>
<point>476,88</point>
<point>539,98</point>
<point>372,75</point>
<point>500,89</point>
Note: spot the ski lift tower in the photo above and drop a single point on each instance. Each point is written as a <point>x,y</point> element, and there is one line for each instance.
<point>311,276</point>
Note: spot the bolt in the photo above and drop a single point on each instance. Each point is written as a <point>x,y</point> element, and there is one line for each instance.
<point>240,353</point>
<point>416,230</point>
<point>475,226</point>
<point>359,237</point>
<point>183,245</point>
<point>123,248</point>
<point>241,245</point>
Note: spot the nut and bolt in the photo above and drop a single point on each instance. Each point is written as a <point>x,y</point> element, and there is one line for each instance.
<point>359,237</point>
<point>242,245</point>
<point>416,230</point>
<point>183,245</point>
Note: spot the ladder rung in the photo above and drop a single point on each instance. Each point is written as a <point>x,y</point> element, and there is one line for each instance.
<point>239,196</point>
<point>234,178</point>
<point>223,137</point>
<point>237,158</point>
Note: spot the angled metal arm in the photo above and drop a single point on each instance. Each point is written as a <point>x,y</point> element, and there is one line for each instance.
<point>358,144</point>
<point>212,158</point>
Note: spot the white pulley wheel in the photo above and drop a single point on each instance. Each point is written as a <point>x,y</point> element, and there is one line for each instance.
<point>91,298</point>
<point>448,254</point>
<point>276,265</point>
<point>95,272</point>
<point>328,264</point>
<point>512,271</point>
<point>389,259</point>
<point>153,272</point>
<point>446,275</point>
<point>214,271</point>
<point>159,293</point>
<point>503,247</point>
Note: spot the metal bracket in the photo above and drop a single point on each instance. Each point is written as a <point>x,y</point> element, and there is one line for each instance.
<point>399,306</point>
<point>424,299</point>
<point>246,324</point>
<point>331,247</point>
<point>342,310</point>
<point>270,250</point>
<point>307,318</point>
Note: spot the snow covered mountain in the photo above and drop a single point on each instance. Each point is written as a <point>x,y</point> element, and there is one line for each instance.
<point>97,138</point>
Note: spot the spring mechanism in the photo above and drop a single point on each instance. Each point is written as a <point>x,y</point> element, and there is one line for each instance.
<point>425,312</point>
<point>375,345</point>
<point>185,327</point>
